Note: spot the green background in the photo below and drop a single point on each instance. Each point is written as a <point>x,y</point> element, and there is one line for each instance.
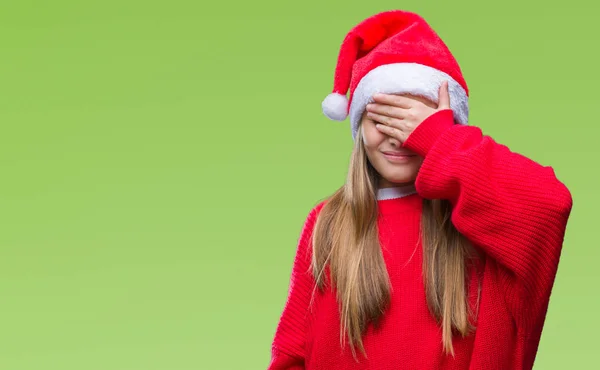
<point>158,160</point>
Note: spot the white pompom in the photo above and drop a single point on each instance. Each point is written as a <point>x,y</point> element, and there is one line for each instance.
<point>335,106</point>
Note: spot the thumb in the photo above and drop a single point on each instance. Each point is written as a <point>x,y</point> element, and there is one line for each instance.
<point>444,102</point>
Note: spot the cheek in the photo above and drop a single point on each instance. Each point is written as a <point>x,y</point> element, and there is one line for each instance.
<point>372,137</point>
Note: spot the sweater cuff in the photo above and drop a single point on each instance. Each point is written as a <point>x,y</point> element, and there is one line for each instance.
<point>425,135</point>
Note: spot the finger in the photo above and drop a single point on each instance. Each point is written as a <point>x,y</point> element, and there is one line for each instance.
<point>444,102</point>
<point>387,110</point>
<point>391,131</point>
<point>386,120</point>
<point>394,100</point>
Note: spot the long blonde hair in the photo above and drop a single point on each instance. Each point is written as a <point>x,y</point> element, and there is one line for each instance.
<point>345,239</point>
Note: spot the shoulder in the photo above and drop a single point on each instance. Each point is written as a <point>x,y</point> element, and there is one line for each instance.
<point>312,216</point>
<point>316,209</point>
<point>319,206</point>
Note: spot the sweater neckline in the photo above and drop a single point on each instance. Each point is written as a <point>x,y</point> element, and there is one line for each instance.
<point>398,200</point>
<point>396,192</point>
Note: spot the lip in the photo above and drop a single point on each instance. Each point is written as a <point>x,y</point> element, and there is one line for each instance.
<point>398,157</point>
<point>399,154</point>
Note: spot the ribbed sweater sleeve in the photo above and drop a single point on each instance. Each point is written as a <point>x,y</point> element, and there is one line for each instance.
<point>513,208</point>
<point>288,347</point>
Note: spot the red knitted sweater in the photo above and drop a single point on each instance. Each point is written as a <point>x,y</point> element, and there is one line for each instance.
<point>511,208</point>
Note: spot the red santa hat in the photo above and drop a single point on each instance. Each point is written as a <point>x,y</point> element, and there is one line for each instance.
<point>393,52</point>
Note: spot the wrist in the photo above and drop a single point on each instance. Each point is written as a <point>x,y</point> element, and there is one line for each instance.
<point>425,135</point>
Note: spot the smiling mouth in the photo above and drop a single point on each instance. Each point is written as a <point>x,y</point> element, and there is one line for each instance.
<point>398,158</point>
<point>400,155</point>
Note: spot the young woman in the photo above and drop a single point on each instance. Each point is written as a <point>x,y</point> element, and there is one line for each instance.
<point>441,249</point>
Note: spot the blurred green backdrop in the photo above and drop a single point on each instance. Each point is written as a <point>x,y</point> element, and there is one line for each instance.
<point>159,158</point>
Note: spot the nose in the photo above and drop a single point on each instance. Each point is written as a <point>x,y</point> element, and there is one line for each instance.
<point>394,142</point>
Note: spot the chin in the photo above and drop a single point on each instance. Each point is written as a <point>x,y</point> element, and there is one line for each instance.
<point>402,180</point>
<point>401,176</point>
<point>397,174</point>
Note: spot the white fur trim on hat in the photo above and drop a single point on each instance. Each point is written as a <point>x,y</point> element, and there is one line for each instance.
<point>409,78</point>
